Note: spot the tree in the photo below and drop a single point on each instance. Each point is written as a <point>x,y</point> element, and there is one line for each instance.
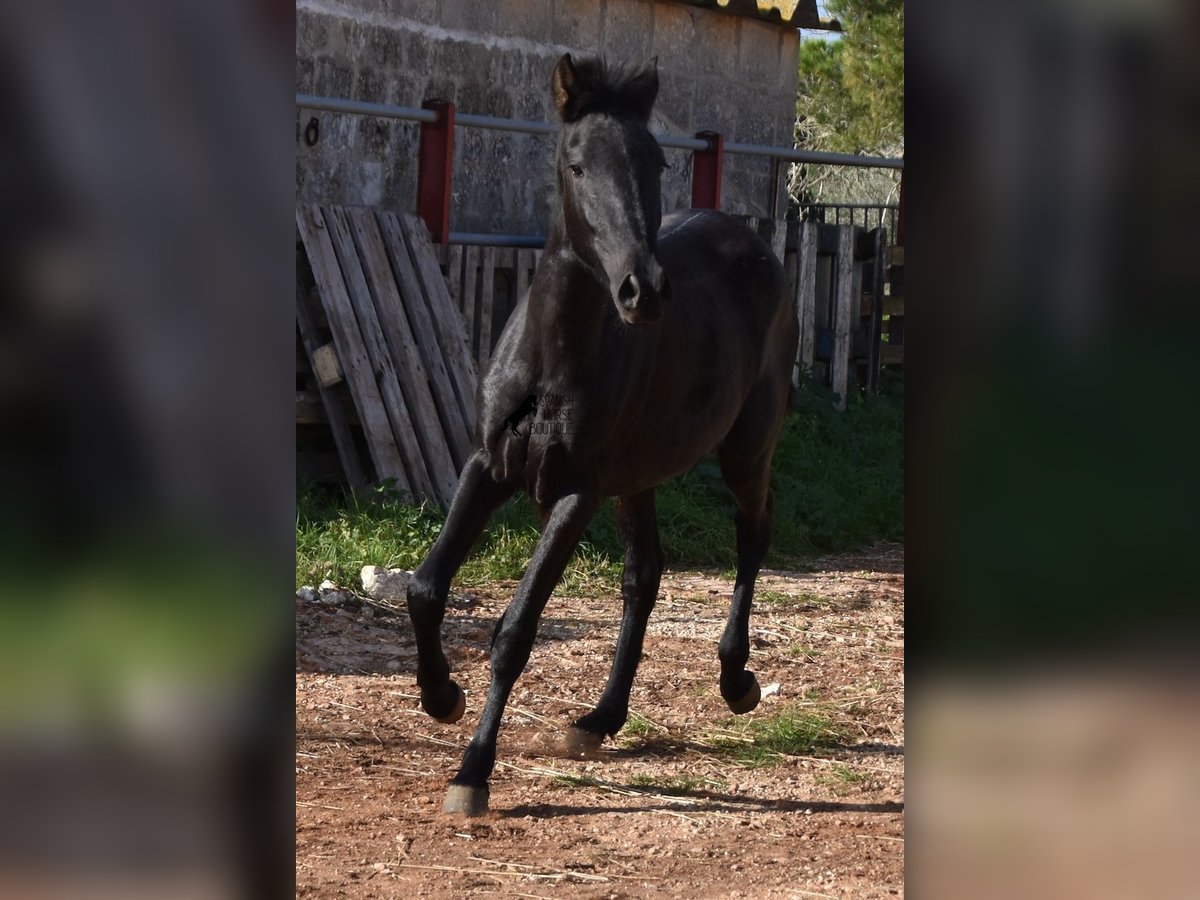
<point>851,100</point>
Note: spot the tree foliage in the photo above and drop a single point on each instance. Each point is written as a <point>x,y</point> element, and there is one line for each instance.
<point>851,99</point>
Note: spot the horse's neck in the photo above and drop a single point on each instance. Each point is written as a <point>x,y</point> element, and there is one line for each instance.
<point>574,322</point>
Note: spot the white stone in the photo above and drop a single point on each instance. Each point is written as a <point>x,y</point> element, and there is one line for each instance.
<point>382,583</point>
<point>308,594</point>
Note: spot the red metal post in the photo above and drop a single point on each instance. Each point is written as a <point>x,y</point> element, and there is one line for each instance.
<point>706,171</point>
<point>435,160</point>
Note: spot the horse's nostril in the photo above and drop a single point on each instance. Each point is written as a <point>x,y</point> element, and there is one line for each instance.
<point>629,291</point>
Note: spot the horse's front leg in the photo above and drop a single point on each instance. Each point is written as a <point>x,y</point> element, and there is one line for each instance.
<point>513,643</point>
<point>639,590</point>
<point>477,497</point>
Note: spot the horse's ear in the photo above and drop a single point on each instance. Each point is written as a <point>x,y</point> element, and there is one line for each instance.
<point>643,87</point>
<point>569,93</point>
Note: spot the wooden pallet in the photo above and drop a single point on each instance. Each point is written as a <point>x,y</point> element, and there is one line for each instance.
<point>398,344</point>
<point>486,284</point>
<point>893,350</point>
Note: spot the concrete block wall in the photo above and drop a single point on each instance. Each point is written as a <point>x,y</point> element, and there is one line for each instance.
<point>721,72</point>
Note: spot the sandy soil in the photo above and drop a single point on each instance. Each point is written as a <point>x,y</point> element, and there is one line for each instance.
<point>669,809</point>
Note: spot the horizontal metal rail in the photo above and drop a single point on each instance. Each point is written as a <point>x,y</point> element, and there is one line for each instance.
<point>364,108</point>
<point>523,125</point>
<point>498,240</point>
<point>849,205</point>
<point>815,156</point>
<point>526,126</point>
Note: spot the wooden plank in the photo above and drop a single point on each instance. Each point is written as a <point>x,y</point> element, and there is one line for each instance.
<point>402,346</point>
<point>774,232</point>
<point>338,223</point>
<point>892,306</point>
<point>891,354</point>
<point>458,437</point>
<point>842,313</point>
<point>446,321</point>
<point>364,392</point>
<point>875,329</point>
<point>524,264</point>
<point>471,298</point>
<point>454,261</point>
<point>896,256</point>
<point>488,274</point>
<point>309,409</point>
<point>325,365</point>
<point>789,273</point>
<point>806,292</point>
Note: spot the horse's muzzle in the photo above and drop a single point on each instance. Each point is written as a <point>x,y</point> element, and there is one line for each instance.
<point>641,294</point>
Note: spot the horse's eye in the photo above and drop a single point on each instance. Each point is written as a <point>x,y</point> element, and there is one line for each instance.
<point>576,171</point>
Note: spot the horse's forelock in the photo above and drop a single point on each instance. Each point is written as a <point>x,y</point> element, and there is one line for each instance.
<point>616,88</point>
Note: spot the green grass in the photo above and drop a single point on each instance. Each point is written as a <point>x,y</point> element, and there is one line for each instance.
<point>842,778</point>
<point>638,726</point>
<point>838,481</point>
<point>790,732</point>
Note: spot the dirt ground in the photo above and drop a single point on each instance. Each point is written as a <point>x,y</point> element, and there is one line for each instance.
<point>669,809</point>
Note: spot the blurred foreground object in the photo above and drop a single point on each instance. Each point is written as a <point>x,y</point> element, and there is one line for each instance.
<point>144,383</point>
<point>1051,187</point>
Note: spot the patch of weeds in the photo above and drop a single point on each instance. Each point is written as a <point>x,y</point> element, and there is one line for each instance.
<point>790,732</point>
<point>673,786</point>
<point>803,651</point>
<point>638,726</point>
<point>842,778</point>
<point>337,533</point>
<point>837,477</point>
<point>576,781</point>
<point>779,598</point>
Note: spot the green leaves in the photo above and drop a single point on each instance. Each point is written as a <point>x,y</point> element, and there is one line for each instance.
<point>851,94</point>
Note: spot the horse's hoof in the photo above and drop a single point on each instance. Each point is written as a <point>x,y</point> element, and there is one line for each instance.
<point>454,711</point>
<point>749,700</point>
<point>467,800</point>
<point>580,744</point>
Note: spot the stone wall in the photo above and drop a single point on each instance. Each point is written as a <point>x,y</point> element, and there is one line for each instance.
<point>717,71</point>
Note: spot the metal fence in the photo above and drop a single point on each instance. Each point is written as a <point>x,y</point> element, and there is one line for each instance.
<point>705,144</point>
<point>864,215</point>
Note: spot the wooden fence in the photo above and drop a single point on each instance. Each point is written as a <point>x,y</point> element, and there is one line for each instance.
<point>828,266</point>
<point>845,282</point>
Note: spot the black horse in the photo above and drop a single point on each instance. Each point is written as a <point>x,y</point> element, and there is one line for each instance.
<point>667,339</point>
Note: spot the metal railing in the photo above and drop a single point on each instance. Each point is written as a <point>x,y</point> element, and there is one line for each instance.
<point>527,126</point>
<point>864,215</point>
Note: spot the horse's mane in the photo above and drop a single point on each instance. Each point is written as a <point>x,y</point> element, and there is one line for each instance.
<point>614,88</point>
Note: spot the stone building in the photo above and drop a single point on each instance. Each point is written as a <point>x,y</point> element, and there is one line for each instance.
<point>724,65</point>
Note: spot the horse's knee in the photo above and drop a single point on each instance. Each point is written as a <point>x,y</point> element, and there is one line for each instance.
<point>426,602</point>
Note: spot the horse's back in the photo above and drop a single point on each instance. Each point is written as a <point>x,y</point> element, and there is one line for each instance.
<point>709,253</point>
<point>725,280</point>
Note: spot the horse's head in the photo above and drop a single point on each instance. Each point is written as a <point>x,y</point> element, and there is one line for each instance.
<point>609,169</point>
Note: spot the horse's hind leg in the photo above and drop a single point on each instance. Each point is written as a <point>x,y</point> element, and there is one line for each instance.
<point>639,590</point>
<point>745,459</point>
<point>477,497</point>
